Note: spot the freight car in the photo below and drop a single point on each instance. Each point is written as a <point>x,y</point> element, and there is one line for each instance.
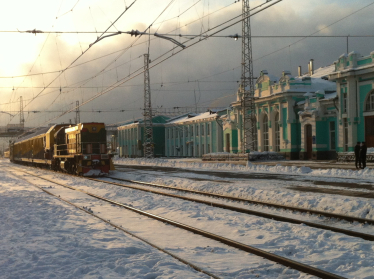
<point>77,149</point>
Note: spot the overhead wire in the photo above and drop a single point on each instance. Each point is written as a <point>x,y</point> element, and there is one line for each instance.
<point>113,86</point>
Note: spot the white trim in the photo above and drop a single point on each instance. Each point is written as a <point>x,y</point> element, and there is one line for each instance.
<point>368,113</point>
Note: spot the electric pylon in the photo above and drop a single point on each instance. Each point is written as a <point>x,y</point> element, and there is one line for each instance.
<point>247,89</point>
<point>77,113</point>
<point>148,129</point>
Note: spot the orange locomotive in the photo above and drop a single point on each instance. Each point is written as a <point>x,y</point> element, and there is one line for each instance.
<point>78,149</point>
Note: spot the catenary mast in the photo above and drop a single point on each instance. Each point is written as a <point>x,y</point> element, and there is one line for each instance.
<point>246,88</point>
<point>148,129</point>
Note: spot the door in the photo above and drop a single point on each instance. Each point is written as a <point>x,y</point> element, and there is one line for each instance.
<point>227,142</point>
<point>309,141</point>
<point>369,131</point>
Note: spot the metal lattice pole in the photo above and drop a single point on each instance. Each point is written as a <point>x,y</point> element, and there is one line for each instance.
<point>21,116</point>
<point>77,113</point>
<point>247,88</point>
<point>148,129</point>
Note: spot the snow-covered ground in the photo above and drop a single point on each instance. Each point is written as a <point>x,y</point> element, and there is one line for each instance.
<point>42,237</point>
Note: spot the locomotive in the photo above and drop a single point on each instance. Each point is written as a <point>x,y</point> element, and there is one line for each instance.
<point>76,149</point>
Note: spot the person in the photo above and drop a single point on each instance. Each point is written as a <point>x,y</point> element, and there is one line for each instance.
<point>357,154</point>
<point>363,151</point>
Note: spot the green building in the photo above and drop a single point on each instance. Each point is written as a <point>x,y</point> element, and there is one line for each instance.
<point>131,137</point>
<point>354,77</point>
<point>192,135</point>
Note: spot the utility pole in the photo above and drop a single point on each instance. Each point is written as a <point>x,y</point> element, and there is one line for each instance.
<point>246,87</point>
<point>148,129</point>
<point>77,113</point>
<point>21,116</point>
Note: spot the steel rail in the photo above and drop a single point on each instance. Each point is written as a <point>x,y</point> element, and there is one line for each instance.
<point>197,268</point>
<point>286,207</point>
<point>365,236</point>
<point>241,246</point>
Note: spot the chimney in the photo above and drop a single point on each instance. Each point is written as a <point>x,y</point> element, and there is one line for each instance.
<point>299,71</point>
<point>311,69</point>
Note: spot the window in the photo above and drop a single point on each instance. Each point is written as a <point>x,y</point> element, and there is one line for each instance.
<point>197,130</point>
<point>202,149</point>
<point>202,129</point>
<point>345,123</point>
<point>172,151</point>
<point>167,133</point>
<point>370,102</point>
<point>344,102</point>
<point>265,133</point>
<point>277,133</point>
<point>197,150</point>
<point>191,131</point>
<point>332,136</point>
<point>192,151</point>
<point>172,132</point>
<point>208,129</point>
<point>185,131</point>
<point>208,148</point>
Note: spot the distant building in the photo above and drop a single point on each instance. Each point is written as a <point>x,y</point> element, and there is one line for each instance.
<point>131,137</point>
<point>192,135</point>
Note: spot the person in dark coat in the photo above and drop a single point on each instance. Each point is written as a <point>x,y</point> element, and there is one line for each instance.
<point>357,154</point>
<point>363,151</point>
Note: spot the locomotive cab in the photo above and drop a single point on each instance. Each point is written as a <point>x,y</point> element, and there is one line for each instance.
<point>82,149</point>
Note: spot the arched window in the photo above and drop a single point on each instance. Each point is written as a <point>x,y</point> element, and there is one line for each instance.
<point>277,133</point>
<point>369,106</point>
<point>265,132</point>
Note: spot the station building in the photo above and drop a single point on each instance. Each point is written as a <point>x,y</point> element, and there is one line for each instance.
<point>277,107</point>
<point>319,115</point>
<point>354,77</point>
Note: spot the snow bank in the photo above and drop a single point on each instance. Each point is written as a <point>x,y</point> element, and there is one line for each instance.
<point>366,173</point>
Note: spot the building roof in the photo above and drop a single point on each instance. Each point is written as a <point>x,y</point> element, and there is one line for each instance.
<point>200,116</point>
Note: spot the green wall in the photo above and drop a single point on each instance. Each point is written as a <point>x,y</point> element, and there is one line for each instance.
<point>364,90</point>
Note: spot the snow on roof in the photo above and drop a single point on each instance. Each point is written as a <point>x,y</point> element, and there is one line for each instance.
<point>330,96</point>
<point>201,116</point>
<point>35,133</point>
<point>321,72</point>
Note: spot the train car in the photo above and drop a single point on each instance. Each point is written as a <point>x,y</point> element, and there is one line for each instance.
<point>78,149</point>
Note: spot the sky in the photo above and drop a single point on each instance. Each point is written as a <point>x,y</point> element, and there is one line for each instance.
<point>205,74</point>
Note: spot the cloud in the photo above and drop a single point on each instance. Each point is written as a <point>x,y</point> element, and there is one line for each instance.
<point>194,71</point>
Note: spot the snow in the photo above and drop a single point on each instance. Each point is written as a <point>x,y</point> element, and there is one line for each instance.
<point>43,237</point>
<point>183,163</point>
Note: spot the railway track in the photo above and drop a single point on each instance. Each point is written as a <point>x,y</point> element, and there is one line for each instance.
<point>232,243</point>
<point>269,204</point>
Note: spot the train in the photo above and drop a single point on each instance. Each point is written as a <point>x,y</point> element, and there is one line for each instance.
<point>79,149</point>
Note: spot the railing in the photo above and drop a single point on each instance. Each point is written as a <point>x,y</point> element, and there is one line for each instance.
<point>81,148</point>
<point>350,157</point>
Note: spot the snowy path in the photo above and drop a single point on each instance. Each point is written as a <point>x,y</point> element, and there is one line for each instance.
<point>41,237</point>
